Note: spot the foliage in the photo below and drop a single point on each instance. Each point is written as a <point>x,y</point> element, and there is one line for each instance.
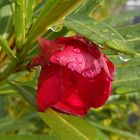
<point>105,23</point>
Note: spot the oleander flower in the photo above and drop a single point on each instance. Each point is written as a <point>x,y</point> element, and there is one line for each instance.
<point>75,75</point>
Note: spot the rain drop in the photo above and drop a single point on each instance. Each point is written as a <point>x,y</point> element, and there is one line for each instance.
<point>112,34</point>
<point>124,57</point>
<point>57,28</point>
<point>129,36</point>
<point>72,66</point>
<point>76,50</point>
<point>102,47</point>
<point>88,73</point>
<point>79,60</point>
<point>105,30</point>
<point>94,23</point>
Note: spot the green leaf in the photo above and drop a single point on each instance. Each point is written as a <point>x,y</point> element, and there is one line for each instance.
<point>120,46</point>
<point>5,47</point>
<point>115,131</point>
<point>53,11</point>
<point>5,2</point>
<point>27,92</point>
<point>27,137</point>
<point>99,32</point>
<point>125,17</point>
<point>5,21</point>
<point>127,73</point>
<point>20,15</point>
<point>132,35</point>
<point>89,6</point>
<point>128,77</point>
<point>71,127</point>
<point>122,63</point>
<point>29,13</point>
<point>131,32</point>
<point>10,124</point>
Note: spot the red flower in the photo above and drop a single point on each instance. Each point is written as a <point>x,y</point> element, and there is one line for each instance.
<point>74,77</point>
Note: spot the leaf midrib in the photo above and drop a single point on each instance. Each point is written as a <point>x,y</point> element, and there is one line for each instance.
<point>124,80</point>
<point>71,126</point>
<point>120,37</point>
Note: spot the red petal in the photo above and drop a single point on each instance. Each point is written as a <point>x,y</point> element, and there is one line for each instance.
<point>79,57</point>
<point>85,80</point>
<point>96,91</point>
<point>82,93</point>
<point>36,61</point>
<point>45,44</point>
<point>108,67</point>
<point>71,101</point>
<point>49,87</point>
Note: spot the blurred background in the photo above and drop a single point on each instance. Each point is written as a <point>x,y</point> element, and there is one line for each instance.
<point>119,119</point>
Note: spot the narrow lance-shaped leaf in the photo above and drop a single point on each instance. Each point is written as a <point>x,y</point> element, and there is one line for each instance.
<point>27,92</point>
<point>132,35</point>
<point>131,32</point>
<point>99,32</point>
<point>20,6</point>
<point>27,137</point>
<point>71,127</point>
<point>29,13</point>
<point>125,17</point>
<point>6,48</point>
<point>89,6</point>
<point>5,21</point>
<point>128,77</point>
<point>53,11</point>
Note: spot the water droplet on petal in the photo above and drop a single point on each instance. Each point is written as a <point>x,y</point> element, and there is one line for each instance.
<point>79,60</point>
<point>72,66</point>
<point>57,28</point>
<point>124,57</point>
<point>105,30</point>
<point>76,50</point>
<point>88,73</point>
<point>55,59</point>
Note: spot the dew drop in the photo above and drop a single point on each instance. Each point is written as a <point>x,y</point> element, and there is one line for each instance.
<point>55,59</point>
<point>72,66</point>
<point>79,60</point>
<point>124,57</point>
<point>102,47</point>
<point>88,73</point>
<point>57,28</point>
<point>105,30</point>
<point>94,23</point>
<point>129,36</point>
<point>76,50</point>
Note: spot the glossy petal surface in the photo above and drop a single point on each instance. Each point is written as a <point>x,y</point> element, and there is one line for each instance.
<point>78,77</point>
